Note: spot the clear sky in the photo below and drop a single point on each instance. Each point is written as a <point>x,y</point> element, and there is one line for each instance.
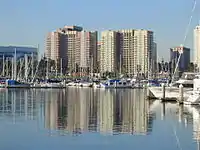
<point>26,22</point>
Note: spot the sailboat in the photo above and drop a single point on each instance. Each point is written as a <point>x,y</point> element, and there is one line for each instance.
<point>51,83</point>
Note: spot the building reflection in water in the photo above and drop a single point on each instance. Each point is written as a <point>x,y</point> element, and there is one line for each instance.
<point>195,120</point>
<point>75,111</point>
<point>107,111</point>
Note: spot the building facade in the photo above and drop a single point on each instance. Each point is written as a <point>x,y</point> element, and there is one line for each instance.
<point>86,56</point>
<point>127,51</point>
<point>154,58</point>
<point>76,48</point>
<point>98,55</point>
<point>56,44</point>
<point>184,61</point>
<point>197,46</point>
<point>10,51</point>
<point>110,51</point>
<point>14,57</point>
<point>143,52</point>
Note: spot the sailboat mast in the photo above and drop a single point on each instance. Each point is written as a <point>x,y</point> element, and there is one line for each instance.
<point>3,73</point>
<point>32,66</point>
<point>120,64</point>
<point>61,73</point>
<point>92,67</point>
<point>15,64</point>
<point>26,67</point>
<point>7,66</point>
<point>20,76</point>
<point>12,72</point>
<point>47,70</point>
<point>56,68</point>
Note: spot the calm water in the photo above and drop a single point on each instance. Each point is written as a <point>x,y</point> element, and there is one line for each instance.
<point>81,119</point>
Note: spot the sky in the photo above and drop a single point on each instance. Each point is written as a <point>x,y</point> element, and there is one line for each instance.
<point>26,22</point>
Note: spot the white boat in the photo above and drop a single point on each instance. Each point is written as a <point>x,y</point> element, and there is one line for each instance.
<point>85,84</point>
<point>49,84</point>
<point>36,85</point>
<point>72,84</point>
<point>116,84</point>
<point>52,85</point>
<point>186,79</point>
<point>95,85</point>
<point>194,97</point>
<point>79,84</point>
<point>138,85</point>
<point>3,84</point>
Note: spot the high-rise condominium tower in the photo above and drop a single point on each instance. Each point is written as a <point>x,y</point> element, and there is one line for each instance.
<point>127,51</point>
<point>143,51</point>
<point>73,46</point>
<point>77,48</point>
<point>197,46</point>
<point>110,51</point>
<point>130,51</point>
<point>56,47</point>
<point>86,56</point>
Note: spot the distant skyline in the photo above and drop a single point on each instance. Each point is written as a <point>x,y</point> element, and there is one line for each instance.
<point>27,22</point>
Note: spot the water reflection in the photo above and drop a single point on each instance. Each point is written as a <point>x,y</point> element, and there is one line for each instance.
<point>76,111</point>
<point>195,119</point>
<point>108,112</point>
<point>83,111</point>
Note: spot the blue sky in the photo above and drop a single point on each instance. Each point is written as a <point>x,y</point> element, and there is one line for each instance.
<point>26,22</point>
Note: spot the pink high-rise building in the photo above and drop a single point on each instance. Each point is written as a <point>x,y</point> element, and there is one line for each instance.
<point>76,48</point>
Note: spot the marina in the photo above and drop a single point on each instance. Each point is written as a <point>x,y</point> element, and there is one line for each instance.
<point>107,82</point>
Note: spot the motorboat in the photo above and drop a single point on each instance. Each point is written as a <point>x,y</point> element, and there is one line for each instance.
<point>186,80</point>
<point>85,84</point>
<point>49,84</point>
<point>115,83</point>
<point>194,97</point>
<point>16,84</point>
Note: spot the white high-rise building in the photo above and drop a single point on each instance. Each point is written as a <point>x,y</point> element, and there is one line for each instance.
<point>197,46</point>
<point>143,51</point>
<point>138,51</point>
<point>109,55</point>
<point>130,51</point>
<point>127,50</point>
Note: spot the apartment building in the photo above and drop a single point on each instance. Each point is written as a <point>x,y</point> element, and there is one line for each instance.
<point>197,46</point>
<point>143,52</point>
<point>110,51</point>
<point>56,43</point>
<point>127,51</point>
<point>86,51</point>
<point>77,48</point>
<point>73,46</point>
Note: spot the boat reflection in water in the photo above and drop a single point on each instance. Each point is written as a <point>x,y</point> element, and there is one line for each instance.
<point>75,111</point>
<point>195,119</point>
